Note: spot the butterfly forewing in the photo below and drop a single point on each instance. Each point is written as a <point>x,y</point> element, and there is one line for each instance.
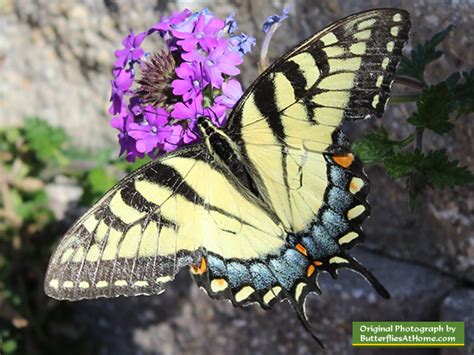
<point>164,216</point>
<point>288,119</point>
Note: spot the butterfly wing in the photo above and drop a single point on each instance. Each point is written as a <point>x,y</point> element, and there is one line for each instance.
<point>287,126</point>
<point>171,213</point>
<point>287,122</point>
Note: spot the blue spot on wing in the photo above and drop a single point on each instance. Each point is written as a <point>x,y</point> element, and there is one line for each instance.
<point>262,277</point>
<point>339,199</point>
<point>238,274</point>
<point>217,266</point>
<point>289,267</point>
<point>334,223</point>
<point>320,244</point>
<point>338,176</point>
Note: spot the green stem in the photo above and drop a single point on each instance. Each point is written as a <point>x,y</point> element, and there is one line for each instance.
<point>264,62</point>
<point>419,139</point>
<point>409,81</point>
<point>402,99</point>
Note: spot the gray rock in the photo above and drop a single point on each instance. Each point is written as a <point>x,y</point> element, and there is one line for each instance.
<point>63,195</point>
<point>459,306</point>
<point>184,320</point>
<point>56,59</point>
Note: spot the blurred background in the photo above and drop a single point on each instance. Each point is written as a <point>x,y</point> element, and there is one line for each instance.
<point>58,154</point>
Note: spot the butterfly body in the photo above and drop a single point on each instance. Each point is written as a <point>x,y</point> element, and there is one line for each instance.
<point>223,149</point>
<point>263,205</point>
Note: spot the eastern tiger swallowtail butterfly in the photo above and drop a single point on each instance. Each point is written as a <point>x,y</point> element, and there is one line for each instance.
<point>261,207</point>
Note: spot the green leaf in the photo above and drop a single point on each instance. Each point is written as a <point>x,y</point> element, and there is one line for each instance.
<point>98,181</point>
<point>461,87</point>
<point>441,172</point>
<point>413,200</point>
<point>126,166</point>
<point>34,207</point>
<point>433,109</point>
<point>12,135</point>
<point>435,168</point>
<point>46,141</point>
<point>422,55</point>
<point>9,346</point>
<point>431,170</point>
<point>103,156</point>
<point>403,163</point>
<point>377,145</point>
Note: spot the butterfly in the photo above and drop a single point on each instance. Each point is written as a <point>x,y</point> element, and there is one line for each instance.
<point>260,208</point>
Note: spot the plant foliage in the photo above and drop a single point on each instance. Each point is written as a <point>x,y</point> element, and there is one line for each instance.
<point>435,106</point>
<point>30,158</point>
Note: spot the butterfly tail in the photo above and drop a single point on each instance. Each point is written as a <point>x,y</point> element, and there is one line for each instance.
<point>303,318</point>
<point>358,267</point>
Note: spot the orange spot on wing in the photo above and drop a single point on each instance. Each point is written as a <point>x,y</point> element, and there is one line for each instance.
<point>310,270</point>
<point>356,185</point>
<point>353,186</point>
<point>317,263</point>
<point>344,160</point>
<point>199,269</point>
<point>301,249</point>
<point>220,282</point>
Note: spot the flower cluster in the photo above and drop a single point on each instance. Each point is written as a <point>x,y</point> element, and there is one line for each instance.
<point>157,97</point>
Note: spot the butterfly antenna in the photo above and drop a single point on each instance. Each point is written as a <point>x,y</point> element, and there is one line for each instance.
<point>356,266</point>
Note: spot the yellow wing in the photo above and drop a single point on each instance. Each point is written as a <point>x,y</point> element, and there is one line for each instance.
<point>166,215</point>
<point>287,122</point>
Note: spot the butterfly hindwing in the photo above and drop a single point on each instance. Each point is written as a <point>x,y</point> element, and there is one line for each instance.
<point>166,215</point>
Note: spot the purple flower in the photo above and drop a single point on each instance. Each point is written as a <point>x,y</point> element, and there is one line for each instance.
<point>116,97</point>
<point>196,67</point>
<point>230,23</point>
<point>120,85</point>
<point>190,82</point>
<point>132,51</point>
<point>123,79</point>
<point>187,25</point>
<point>219,61</point>
<point>232,91</point>
<point>242,43</point>
<point>217,114</point>
<point>120,121</point>
<point>194,109</point>
<point>273,19</point>
<point>174,138</point>
<point>190,110</point>
<point>203,34</point>
<point>167,23</point>
<point>152,131</point>
<point>187,113</point>
<point>135,108</point>
<point>128,145</point>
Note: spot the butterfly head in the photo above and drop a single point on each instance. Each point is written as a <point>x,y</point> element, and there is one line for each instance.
<point>205,126</point>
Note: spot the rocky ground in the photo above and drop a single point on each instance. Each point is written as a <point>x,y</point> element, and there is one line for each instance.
<point>55,62</point>
<point>185,321</point>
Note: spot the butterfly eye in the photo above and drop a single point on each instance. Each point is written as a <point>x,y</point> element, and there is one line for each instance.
<point>202,121</point>
<point>205,125</point>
